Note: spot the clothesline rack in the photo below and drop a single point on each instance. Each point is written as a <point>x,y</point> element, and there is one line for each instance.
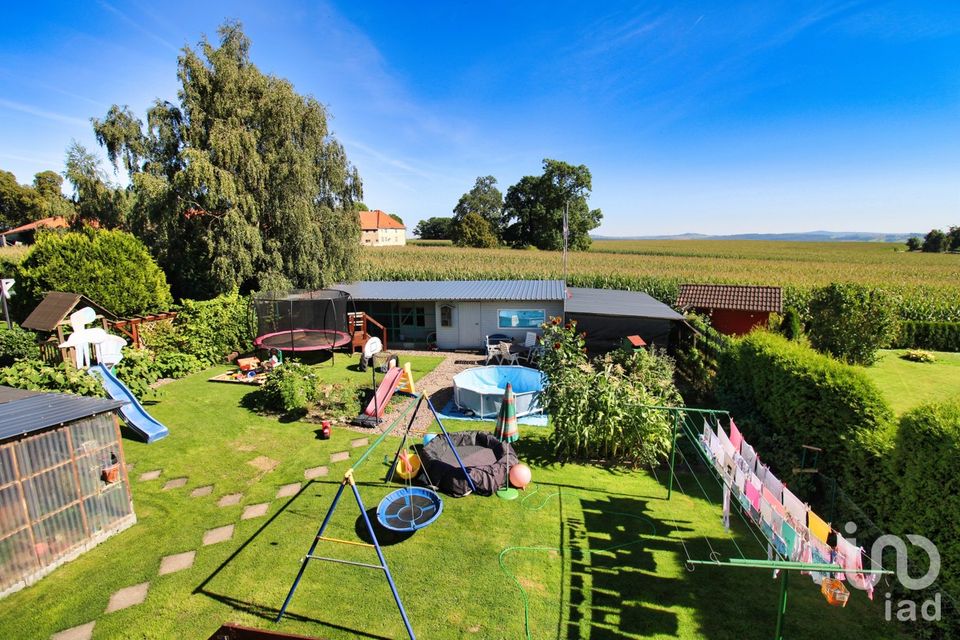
<point>682,427</point>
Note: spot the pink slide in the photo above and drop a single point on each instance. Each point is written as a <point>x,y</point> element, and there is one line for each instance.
<point>384,392</point>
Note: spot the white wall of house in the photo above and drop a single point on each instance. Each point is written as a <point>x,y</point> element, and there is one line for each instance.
<point>383,237</point>
<point>471,322</point>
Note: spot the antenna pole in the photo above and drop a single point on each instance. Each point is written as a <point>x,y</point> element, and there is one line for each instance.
<point>566,233</point>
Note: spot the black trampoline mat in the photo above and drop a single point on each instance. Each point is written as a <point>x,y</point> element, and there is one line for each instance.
<point>473,456</point>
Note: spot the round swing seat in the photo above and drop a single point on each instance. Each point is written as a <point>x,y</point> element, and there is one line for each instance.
<point>409,509</point>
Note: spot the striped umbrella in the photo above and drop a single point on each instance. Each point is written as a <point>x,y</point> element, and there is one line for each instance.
<point>507,429</point>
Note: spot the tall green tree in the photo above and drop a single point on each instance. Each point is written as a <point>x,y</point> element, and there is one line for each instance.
<point>48,185</point>
<point>19,203</point>
<point>485,200</point>
<point>935,241</point>
<point>97,201</point>
<point>533,209</point>
<point>434,229</point>
<point>851,322</point>
<point>474,231</point>
<point>914,243</point>
<point>953,239</point>
<point>241,184</point>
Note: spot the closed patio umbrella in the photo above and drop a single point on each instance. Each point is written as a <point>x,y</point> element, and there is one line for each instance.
<point>507,431</point>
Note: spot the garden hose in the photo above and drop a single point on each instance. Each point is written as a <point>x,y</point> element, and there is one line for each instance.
<point>560,550</point>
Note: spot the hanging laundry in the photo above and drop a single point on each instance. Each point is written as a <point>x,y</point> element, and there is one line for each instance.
<point>853,563</point>
<point>725,442</point>
<point>795,507</point>
<point>771,482</point>
<point>735,437</point>
<point>749,456</point>
<point>777,523</point>
<point>818,528</point>
<point>818,558</point>
<point>766,513</point>
<point>790,540</point>
<point>739,479</point>
<point>726,507</point>
<point>761,470</point>
<point>753,492</point>
<point>780,545</point>
<point>773,500</point>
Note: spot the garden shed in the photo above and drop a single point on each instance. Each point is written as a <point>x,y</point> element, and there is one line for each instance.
<point>608,316</point>
<point>52,316</point>
<point>63,481</point>
<point>733,309</point>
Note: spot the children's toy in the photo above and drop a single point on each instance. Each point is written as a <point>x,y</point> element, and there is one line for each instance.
<point>520,476</point>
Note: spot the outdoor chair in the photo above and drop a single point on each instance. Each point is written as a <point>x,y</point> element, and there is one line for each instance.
<point>492,347</point>
<point>507,354</point>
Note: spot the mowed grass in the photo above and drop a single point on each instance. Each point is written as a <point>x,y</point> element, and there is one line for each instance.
<point>597,551</point>
<point>907,384</point>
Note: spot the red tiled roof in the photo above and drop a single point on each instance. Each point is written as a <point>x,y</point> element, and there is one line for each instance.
<point>730,296</point>
<point>56,222</point>
<point>377,219</point>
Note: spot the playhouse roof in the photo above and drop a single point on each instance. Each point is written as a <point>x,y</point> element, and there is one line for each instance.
<point>55,307</point>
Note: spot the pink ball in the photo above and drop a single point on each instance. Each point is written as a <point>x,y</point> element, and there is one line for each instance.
<point>520,475</point>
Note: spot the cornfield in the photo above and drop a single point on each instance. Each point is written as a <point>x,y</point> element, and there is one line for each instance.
<point>926,286</point>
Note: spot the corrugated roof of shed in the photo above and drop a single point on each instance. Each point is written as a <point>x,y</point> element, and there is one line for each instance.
<point>472,290</point>
<point>32,413</point>
<point>614,302</point>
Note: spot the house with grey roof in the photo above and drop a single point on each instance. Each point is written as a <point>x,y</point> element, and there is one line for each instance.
<point>460,314</point>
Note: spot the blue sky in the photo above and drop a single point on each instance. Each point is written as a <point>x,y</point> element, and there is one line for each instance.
<point>693,117</point>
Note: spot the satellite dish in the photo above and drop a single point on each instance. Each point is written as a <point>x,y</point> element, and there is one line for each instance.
<point>372,347</point>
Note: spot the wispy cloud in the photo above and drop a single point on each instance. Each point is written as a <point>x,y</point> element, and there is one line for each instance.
<point>42,113</point>
<point>139,27</point>
<point>41,161</point>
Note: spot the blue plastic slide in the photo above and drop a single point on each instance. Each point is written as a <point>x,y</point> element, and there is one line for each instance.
<point>136,416</point>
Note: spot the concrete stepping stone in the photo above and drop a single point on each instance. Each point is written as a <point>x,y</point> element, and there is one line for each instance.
<point>315,472</point>
<point>176,483</point>
<point>288,490</point>
<point>359,442</point>
<point>339,456</point>
<point>230,499</point>
<point>220,534</point>
<point>199,492</point>
<point>177,562</point>
<point>128,597</point>
<point>150,475</point>
<point>255,511</point>
<point>82,632</point>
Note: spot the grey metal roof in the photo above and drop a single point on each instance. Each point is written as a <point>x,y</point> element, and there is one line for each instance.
<point>429,290</point>
<point>612,302</point>
<point>43,410</point>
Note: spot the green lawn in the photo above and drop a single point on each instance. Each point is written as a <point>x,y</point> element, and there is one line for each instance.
<point>599,552</point>
<point>907,384</point>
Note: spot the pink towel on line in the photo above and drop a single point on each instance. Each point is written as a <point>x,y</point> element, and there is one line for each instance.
<point>736,439</point>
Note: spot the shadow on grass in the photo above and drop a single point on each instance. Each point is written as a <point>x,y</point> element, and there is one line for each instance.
<point>256,609</point>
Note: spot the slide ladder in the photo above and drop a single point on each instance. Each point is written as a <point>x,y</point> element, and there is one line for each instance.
<point>133,412</point>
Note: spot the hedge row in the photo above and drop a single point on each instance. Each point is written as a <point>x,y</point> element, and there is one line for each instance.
<point>788,395</point>
<point>937,336</point>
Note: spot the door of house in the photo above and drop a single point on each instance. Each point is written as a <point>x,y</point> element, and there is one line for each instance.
<point>471,336</point>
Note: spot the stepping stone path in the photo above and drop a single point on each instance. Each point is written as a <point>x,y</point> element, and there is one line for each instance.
<point>176,483</point>
<point>255,510</point>
<point>230,499</point>
<point>127,597</point>
<point>213,536</point>
<point>150,475</point>
<point>339,456</point>
<point>316,472</point>
<point>359,442</point>
<point>288,490</point>
<point>83,632</point>
<point>178,562</point>
<point>199,492</point>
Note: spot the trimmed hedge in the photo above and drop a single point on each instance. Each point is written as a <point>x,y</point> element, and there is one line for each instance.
<point>938,336</point>
<point>786,395</point>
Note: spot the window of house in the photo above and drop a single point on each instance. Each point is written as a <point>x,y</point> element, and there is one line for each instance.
<point>520,318</point>
<point>413,317</point>
<point>446,315</point>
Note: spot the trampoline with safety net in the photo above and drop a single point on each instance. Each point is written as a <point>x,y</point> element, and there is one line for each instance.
<point>298,321</point>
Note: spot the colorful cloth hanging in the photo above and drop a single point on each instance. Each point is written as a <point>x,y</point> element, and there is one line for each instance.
<point>818,528</point>
<point>771,482</point>
<point>795,507</point>
<point>749,456</point>
<point>736,438</point>
<point>852,561</point>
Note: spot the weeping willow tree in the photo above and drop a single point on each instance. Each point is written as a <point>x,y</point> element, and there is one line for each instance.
<point>241,185</point>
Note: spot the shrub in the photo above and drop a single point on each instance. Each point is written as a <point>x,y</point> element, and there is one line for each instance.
<point>600,409</point>
<point>290,387</point>
<point>919,355</point>
<point>785,395</point>
<point>211,329</point>
<point>170,364</point>
<point>696,362</point>
<point>939,336</point>
<point>17,344</point>
<point>790,327</point>
<point>851,321</point>
<point>137,371</point>
<point>113,268</point>
<point>38,376</point>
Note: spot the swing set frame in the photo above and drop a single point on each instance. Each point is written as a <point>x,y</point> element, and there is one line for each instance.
<point>348,480</point>
<point>682,428</point>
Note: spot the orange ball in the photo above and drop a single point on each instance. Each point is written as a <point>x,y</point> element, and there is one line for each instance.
<point>520,475</point>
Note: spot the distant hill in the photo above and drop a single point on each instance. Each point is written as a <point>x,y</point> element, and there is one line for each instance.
<point>806,236</point>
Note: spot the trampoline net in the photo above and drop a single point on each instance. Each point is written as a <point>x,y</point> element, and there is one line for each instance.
<point>302,319</point>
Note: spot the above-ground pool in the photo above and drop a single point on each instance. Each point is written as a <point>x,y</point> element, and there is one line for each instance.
<point>479,390</point>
